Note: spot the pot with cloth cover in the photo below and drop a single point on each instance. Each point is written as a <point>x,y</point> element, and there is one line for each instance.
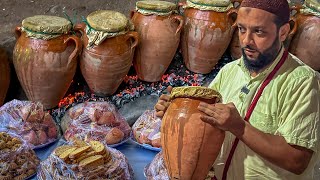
<point>109,43</point>
<point>45,58</point>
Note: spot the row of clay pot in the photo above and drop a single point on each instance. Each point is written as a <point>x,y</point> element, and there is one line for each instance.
<point>302,41</point>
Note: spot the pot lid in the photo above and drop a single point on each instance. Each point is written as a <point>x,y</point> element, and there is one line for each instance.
<point>47,24</point>
<point>313,4</point>
<point>196,92</point>
<point>157,6</point>
<point>213,3</point>
<point>108,21</point>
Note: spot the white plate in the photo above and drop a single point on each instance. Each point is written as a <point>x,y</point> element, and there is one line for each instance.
<point>147,146</point>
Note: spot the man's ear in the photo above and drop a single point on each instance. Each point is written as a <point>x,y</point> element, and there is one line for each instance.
<point>284,31</point>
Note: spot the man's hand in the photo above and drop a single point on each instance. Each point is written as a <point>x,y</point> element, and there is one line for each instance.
<point>223,116</point>
<point>163,103</point>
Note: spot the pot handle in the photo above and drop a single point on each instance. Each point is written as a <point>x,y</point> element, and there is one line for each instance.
<point>229,15</point>
<point>180,20</point>
<point>80,27</point>
<point>17,32</point>
<point>135,36</point>
<point>294,28</point>
<point>77,50</point>
<point>132,13</point>
<point>296,7</point>
<point>236,1</point>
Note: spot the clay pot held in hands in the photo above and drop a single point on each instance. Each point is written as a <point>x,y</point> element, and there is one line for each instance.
<point>205,36</point>
<point>159,38</point>
<point>108,50</point>
<point>45,58</point>
<point>190,146</point>
<point>4,75</point>
<point>306,42</point>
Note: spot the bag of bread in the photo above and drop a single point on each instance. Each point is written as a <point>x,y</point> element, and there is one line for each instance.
<point>146,130</point>
<point>99,121</point>
<point>85,160</point>
<point>17,159</point>
<point>30,121</point>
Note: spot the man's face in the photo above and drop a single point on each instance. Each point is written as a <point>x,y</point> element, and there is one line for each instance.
<point>259,37</point>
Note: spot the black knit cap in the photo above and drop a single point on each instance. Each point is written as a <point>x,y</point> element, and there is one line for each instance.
<point>280,8</point>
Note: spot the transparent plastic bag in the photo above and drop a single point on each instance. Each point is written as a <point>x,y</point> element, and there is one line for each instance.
<point>98,121</point>
<point>61,164</point>
<point>17,159</point>
<point>30,121</point>
<point>157,170</point>
<point>146,129</point>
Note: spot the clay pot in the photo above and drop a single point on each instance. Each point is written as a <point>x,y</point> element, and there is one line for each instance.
<point>188,145</point>
<point>104,66</point>
<point>159,40</point>
<point>205,37</point>
<point>4,75</point>
<point>305,43</point>
<point>45,68</point>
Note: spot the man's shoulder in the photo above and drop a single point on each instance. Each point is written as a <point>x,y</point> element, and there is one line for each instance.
<point>231,65</point>
<point>296,69</point>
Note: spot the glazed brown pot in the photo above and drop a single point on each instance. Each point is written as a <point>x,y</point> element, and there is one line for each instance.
<point>45,68</point>
<point>306,42</point>
<point>105,66</point>
<point>205,37</point>
<point>190,146</point>
<point>4,75</point>
<point>159,40</point>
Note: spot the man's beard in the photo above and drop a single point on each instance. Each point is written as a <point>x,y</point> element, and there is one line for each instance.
<point>264,58</point>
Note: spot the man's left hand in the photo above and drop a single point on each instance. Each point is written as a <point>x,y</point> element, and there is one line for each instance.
<point>223,116</point>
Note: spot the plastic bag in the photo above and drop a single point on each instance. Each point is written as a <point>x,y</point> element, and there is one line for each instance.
<point>146,129</point>
<point>81,160</point>
<point>98,121</point>
<point>157,170</point>
<point>30,121</point>
<point>17,159</point>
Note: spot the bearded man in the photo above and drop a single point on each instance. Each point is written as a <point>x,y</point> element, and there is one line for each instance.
<point>271,102</point>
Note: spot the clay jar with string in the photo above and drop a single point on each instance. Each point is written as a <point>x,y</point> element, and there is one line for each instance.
<point>208,29</point>
<point>4,75</point>
<point>109,44</point>
<point>306,42</point>
<point>45,58</point>
<point>189,145</point>
<point>159,28</point>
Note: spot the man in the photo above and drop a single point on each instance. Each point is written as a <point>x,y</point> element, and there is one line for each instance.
<point>281,139</point>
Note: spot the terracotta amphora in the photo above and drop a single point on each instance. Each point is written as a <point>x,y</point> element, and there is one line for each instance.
<point>190,146</point>
<point>306,42</point>
<point>207,32</point>
<point>45,58</point>
<point>108,50</point>
<point>159,31</point>
<point>4,75</point>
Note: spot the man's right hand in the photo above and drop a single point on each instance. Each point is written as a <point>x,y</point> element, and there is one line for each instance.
<point>163,103</point>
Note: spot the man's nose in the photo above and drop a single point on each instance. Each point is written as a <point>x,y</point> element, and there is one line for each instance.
<point>247,39</point>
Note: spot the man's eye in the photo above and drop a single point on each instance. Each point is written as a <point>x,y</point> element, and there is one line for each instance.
<point>241,29</point>
<point>259,31</point>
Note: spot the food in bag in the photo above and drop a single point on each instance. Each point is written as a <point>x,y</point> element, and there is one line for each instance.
<point>146,129</point>
<point>99,121</point>
<point>85,160</point>
<point>17,159</point>
<point>29,120</point>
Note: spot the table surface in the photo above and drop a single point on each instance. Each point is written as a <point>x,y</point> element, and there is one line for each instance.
<point>137,156</point>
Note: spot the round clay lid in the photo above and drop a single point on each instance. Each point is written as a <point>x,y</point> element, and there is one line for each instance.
<point>47,24</point>
<point>158,6</point>
<point>313,4</point>
<point>214,3</point>
<point>106,20</point>
<point>195,92</point>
